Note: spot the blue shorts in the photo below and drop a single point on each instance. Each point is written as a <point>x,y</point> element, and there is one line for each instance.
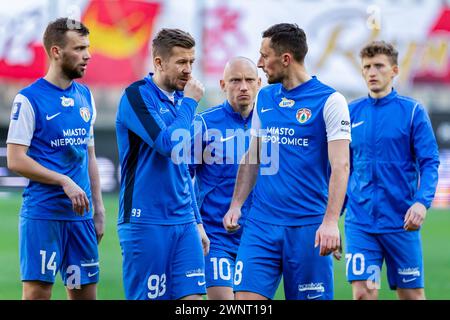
<point>402,251</point>
<point>269,251</point>
<point>51,246</point>
<point>219,268</point>
<point>161,262</point>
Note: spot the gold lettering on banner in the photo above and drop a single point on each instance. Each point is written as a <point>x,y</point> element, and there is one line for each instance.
<point>436,55</point>
<point>331,48</point>
<point>432,55</point>
<point>405,64</point>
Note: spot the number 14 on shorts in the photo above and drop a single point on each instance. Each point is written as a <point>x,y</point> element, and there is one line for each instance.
<point>50,264</point>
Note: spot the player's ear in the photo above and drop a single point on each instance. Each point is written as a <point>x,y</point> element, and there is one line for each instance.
<point>259,82</point>
<point>286,59</point>
<point>222,84</point>
<point>157,63</point>
<point>395,70</point>
<point>55,52</point>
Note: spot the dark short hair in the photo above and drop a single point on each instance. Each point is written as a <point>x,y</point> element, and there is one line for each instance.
<point>166,39</point>
<point>55,33</point>
<point>380,47</point>
<point>288,37</point>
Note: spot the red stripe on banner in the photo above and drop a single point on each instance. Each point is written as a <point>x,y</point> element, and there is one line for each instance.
<point>34,70</point>
<point>437,51</point>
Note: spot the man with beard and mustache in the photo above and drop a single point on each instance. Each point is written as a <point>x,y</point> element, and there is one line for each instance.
<point>292,226</point>
<point>51,142</point>
<point>159,225</point>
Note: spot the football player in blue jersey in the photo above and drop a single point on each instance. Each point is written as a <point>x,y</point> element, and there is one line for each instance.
<point>223,134</point>
<point>51,142</point>
<point>394,173</point>
<point>292,227</point>
<point>159,225</point>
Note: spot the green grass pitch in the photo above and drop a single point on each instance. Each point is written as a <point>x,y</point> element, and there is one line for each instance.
<point>435,239</point>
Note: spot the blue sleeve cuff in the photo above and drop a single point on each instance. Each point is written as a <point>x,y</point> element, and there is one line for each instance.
<point>427,204</point>
<point>190,102</point>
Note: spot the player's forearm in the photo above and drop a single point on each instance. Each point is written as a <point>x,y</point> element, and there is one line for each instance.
<point>94,178</point>
<point>31,169</point>
<point>247,174</point>
<point>245,181</point>
<point>337,190</point>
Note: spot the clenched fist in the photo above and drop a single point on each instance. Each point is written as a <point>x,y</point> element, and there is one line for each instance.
<point>194,89</point>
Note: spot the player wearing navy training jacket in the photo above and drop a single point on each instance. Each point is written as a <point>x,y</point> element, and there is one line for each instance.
<point>51,142</point>
<point>158,231</point>
<point>302,130</point>
<point>394,173</point>
<point>221,137</point>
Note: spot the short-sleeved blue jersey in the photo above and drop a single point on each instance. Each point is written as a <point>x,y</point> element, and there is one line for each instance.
<point>60,136</point>
<point>296,123</point>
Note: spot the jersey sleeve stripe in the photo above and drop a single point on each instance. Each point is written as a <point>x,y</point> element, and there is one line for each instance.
<point>137,103</point>
<point>412,114</point>
<point>130,169</point>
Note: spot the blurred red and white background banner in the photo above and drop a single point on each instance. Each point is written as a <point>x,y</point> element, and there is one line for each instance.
<point>119,35</point>
<point>336,31</point>
<point>121,31</point>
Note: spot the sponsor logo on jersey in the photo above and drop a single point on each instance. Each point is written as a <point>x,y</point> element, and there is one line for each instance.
<point>67,102</point>
<point>354,125</point>
<point>404,280</point>
<point>409,272</point>
<point>263,110</point>
<point>52,116</point>
<point>163,110</point>
<point>92,274</point>
<point>312,297</point>
<point>16,110</point>
<point>85,114</point>
<point>303,115</point>
<point>345,126</point>
<point>89,263</point>
<point>222,139</point>
<point>195,273</point>
<point>286,103</point>
<point>313,286</point>
<point>72,137</point>
<point>283,136</point>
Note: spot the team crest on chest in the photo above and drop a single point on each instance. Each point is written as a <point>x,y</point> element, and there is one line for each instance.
<point>303,115</point>
<point>286,103</point>
<point>67,102</point>
<point>85,114</point>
